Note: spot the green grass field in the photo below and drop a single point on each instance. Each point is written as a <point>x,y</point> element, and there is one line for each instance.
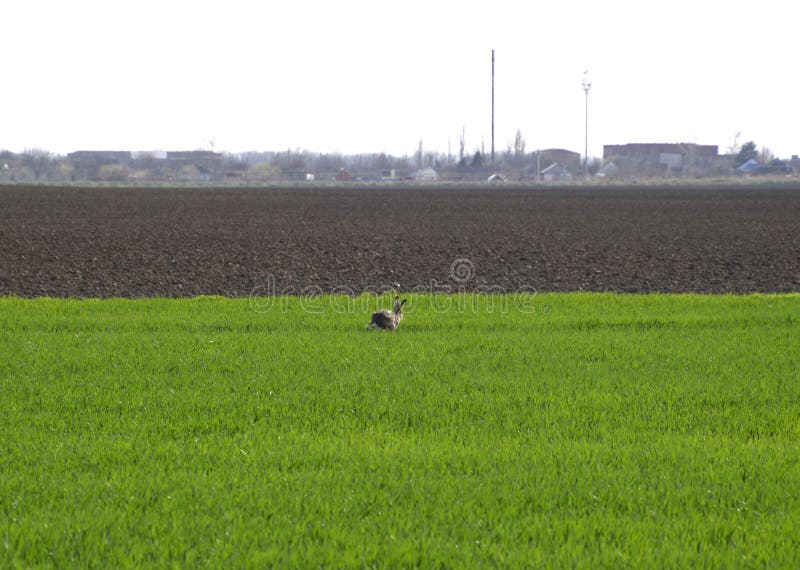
<point>571,430</point>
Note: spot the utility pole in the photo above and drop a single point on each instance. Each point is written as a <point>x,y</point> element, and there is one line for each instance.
<point>587,84</point>
<point>538,166</point>
<point>492,106</point>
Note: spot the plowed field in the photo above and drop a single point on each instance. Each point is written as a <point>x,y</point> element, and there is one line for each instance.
<point>109,242</point>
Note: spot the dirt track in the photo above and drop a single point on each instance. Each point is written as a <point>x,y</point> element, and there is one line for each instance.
<point>104,242</point>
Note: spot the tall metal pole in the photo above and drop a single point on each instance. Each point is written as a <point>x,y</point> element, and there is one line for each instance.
<point>586,138</point>
<point>492,106</point>
<point>587,84</point>
<point>538,166</point>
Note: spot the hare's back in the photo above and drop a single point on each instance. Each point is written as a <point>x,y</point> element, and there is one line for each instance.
<point>383,319</point>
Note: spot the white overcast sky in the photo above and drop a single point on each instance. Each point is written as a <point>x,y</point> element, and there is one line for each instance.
<point>365,76</point>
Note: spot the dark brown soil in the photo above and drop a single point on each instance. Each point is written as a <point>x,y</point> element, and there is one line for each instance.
<point>104,242</point>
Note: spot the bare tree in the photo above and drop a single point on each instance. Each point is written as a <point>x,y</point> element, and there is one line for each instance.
<point>735,147</point>
<point>330,162</point>
<point>519,147</point>
<point>291,160</point>
<point>38,160</point>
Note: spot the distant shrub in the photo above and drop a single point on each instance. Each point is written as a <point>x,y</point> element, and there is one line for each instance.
<point>113,173</point>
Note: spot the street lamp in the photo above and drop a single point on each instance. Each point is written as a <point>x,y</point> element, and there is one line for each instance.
<point>587,84</point>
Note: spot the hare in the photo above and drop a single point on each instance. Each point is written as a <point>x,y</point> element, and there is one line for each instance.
<point>388,320</point>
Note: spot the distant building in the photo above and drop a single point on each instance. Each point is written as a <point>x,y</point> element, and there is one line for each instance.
<point>608,170</point>
<point>87,164</point>
<point>569,159</point>
<point>101,156</point>
<point>664,159</point>
<point>343,176</point>
<point>205,161</point>
<point>774,167</point>
<point>749,166</point>
<point>425,175</point>
<point>556,173</point>
<point>568,164</point>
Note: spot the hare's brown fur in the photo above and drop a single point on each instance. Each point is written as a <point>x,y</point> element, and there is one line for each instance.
<point>388,320</point>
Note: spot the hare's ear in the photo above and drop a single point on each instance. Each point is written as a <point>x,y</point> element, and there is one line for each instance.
<point>397,303</point>
<point>404,302</point>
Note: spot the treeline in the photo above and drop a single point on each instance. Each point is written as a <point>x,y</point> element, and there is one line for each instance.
<point>34,165</point>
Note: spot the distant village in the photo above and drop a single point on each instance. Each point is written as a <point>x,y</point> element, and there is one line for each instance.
<point>633,161</point>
